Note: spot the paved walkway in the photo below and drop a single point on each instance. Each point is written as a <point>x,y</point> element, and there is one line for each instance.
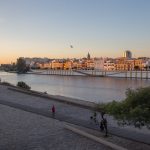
<point>64,112</point>
<point>22,130</point>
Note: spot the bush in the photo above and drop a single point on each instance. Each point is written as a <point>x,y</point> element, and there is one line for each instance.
<point>23,85</point>
<point>135,109</point>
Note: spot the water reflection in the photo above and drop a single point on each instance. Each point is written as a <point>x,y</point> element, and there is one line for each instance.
<point>95,89</point>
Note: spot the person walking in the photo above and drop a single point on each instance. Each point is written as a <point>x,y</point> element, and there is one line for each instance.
<point>103,124</point>
<point>95,117</point>
<point>53,110</point>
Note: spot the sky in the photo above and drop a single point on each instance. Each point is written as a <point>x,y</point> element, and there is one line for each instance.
<point>47,28</point>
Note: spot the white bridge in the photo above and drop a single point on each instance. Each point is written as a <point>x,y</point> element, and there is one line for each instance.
<point>94,73</point>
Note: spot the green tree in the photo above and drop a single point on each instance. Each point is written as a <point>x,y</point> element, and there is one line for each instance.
<point>21,66</point>
<point>135,109</point>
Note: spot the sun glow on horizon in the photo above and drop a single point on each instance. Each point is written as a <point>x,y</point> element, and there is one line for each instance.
<point>47,29</point>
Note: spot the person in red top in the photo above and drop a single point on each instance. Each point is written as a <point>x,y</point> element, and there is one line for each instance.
<point>53,110</point>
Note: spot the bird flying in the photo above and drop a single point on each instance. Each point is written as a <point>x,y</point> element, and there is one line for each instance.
<point>71,46</point>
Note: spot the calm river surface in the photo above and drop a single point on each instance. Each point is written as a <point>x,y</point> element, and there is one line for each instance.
<point>94,89</point>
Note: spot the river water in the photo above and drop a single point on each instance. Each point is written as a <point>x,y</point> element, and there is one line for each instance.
<point>94,89</point>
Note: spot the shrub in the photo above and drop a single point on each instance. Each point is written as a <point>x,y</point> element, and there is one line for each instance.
<point>23,85</point>
<point>135,109</point>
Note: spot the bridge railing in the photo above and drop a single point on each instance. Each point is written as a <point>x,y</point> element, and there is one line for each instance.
<point>104,73</point>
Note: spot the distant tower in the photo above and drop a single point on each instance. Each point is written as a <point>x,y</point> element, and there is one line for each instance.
<point>88,56</point>
<point>127,54</point>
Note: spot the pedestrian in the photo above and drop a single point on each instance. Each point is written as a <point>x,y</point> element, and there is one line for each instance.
<point>95,117</point>
<point>103,124</point>
<point>53,110</point>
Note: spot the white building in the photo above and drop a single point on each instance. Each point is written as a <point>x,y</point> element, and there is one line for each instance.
<point>99,63</point>
<point>146,64</point>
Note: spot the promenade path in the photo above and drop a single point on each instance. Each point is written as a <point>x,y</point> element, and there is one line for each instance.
<point>64,112</point>
<point>22,130</point>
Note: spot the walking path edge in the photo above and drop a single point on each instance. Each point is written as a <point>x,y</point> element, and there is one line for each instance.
<point>92,137</point>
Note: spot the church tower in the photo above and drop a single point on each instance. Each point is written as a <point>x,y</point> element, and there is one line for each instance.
<point>88,56</point>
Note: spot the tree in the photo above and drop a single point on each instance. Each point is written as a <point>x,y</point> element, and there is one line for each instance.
<point>21,66</point>
<point>135,109</point>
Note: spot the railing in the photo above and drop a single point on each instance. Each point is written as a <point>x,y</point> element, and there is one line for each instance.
<point>96,73</point>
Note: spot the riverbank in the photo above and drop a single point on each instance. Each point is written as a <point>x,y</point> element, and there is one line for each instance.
<point>63,99</point>
<point>64,112</point>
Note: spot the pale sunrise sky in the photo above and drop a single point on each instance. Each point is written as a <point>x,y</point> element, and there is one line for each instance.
<point>47,28</point>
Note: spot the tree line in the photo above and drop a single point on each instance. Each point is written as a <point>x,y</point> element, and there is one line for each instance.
<point>18,67</point>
